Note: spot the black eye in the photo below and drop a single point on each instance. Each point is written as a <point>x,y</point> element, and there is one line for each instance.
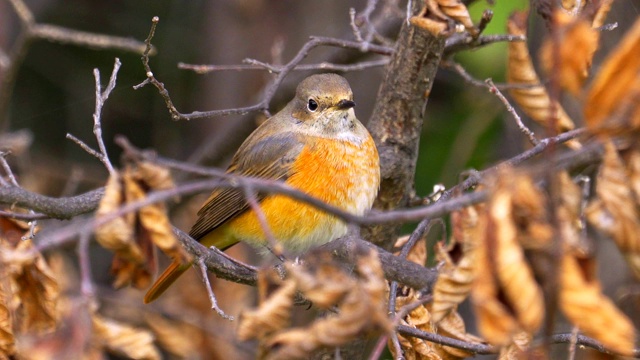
<point>312,105</point>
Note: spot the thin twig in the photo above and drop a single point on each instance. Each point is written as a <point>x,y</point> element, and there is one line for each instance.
<point>523,128</point>
<point>22,216</point>
<point>101,98</point>
<point>252,64</point>
<point>263,104</point>
<point>84,146</point>
<point>7,169</point>
<point>460,70</point>
<point>212,295</point>
<point>86,282</point>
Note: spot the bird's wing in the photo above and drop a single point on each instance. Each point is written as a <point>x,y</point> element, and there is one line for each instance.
<point>270,157</point>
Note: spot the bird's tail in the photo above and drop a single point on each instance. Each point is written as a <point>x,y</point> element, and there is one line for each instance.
<point>168,277</point>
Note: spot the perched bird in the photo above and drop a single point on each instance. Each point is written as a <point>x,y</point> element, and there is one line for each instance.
<point>314,144</point>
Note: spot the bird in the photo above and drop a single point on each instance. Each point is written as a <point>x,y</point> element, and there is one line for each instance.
<point>316,145</point>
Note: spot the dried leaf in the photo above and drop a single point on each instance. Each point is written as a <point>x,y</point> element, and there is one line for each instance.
<point>582,302</point>
<point>534,101</point>
<point>418,253</point>
<point>579,41</point>
<point>456,10</point>
<point>613,100</point>
<point>67,341</point>
<point>361,309</point>
<point>614,211</point>
<point>451,326</point>
<point>7,339</point>
<point>505,294</point>
<point>123,339</point>
<point>601,13</point>
<point>568,211</point>
<point>133,235</point>
<point>436,16</point>
<point>118,234</point>
<point>33,290</point>
<point>455,279</point>
<point>273,314</point>
<point>517,350</point>
<point>178,338</point>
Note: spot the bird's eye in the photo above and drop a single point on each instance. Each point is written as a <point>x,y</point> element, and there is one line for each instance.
<point>312,105</point>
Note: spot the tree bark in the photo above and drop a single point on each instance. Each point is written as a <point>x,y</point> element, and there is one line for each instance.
<point>397,118</point>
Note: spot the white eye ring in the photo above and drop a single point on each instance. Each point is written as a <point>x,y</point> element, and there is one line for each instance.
<point>312,105</point>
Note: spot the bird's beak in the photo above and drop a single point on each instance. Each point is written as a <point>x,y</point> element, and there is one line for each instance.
<point>346,104</point>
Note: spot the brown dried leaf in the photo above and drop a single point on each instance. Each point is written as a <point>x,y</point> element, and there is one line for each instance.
<point>418,253</point>
<point>132,236</point>
<point>67,341</point>
<point>455,279</point>
<point>568,212</point>
<point>579,41</point>
<point>7,339</point>
<point>434,26</point>
<point>139,180</point>
<point>33,289</point>
<point>456,10</point>
<point>451,326</point>
<point>505,294</point>
<point>614,211</point>
<point>360,311</point>
<point>122,339</point>
<point>517,349</point>
<point>117,235</point>
<point>601,13</point>
<point>613,100</point>
<point>534,101</point>
<point>633,168</point>
<point>324,284</point>
<point>582,302</point>
<point>273,314</point>
<point>176,337</point>
<point>154,176</point>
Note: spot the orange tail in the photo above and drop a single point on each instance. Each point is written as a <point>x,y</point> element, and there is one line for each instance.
<point>168,276</point>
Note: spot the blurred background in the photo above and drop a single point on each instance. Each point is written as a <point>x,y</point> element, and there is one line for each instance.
<point>53,94</point>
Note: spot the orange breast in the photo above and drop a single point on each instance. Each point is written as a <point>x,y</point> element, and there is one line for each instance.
<point>345,174</point>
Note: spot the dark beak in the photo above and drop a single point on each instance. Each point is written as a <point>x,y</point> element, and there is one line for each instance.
<point>346,104</point>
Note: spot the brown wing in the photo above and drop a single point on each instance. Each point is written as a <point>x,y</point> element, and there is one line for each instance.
<point>271,157</point>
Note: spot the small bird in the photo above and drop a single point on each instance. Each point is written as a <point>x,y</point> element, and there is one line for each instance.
<point>314,144</point>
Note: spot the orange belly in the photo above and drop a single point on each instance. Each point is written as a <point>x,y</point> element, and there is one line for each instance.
<point>341,173</point>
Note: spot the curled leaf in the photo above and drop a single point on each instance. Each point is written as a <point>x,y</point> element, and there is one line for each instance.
<point>132,235</point>
<point>614,211</point>
<point>436,16</point>
<point>505,294</point>
<point>123,339</point>
<point>451,325</point>
<point>32,291</point>
<point>533,100</point>
<point>273,314</point>
<point>176,337</point>
<point>583,303</point>
<point>613,100</point>
<point>457,272</point>
<point>359,299</point>
<point>579,42</point>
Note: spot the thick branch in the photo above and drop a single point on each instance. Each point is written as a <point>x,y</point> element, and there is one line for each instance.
<point>59,208</point>
<point>396,121</point>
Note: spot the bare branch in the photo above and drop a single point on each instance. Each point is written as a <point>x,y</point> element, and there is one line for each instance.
<point>257,65</point>
<point>270,91</point>
<point>523,128</point>
<point>212,295</point>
